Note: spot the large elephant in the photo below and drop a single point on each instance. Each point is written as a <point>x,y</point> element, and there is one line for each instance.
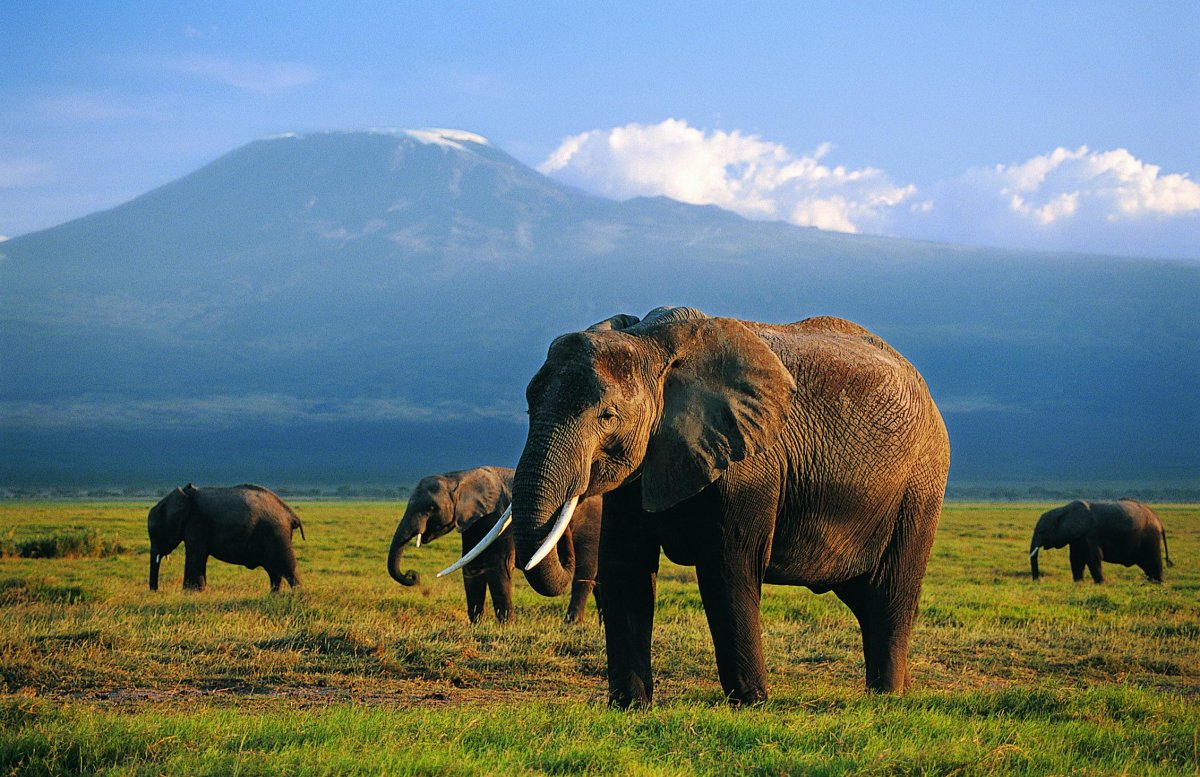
<point>1124,531</point>
<point>472,501</point>
<point>246,524</point>
<point>800,454</point>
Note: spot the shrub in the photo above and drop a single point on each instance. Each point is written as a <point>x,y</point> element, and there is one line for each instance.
<point>75,542</point>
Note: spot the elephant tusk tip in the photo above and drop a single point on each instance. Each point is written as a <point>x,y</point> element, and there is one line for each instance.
<point>556,533</point>
<point>482,545</point>
<point>1034,552</point>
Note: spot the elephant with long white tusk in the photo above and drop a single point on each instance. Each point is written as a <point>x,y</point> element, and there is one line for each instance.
<point>476,503</point>
<point>802,454</point>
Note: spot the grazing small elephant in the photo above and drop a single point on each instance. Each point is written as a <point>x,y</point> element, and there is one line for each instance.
<point>247,525</point>
<point>797,454</point>
<point>1125,532</point>
<point>472,501</point>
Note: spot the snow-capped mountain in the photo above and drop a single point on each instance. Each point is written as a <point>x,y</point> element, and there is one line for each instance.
<point>354,306</point>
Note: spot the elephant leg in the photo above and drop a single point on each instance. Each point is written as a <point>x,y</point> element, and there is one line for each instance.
<point>1094,557</point>
<point>288,566</point>
<point>276,580</point>
<point>885,647</point>
<point>628,572</point>
<point>731,591</point>
<point>739,519</point>
<point>1079,555</point>
<point>885,601</point>
<point>500,584</point>
<point>475,584</point>
<point>598,595</point>
<point>1151,561</point>
<point>195,567</point>
<point>580,591</point>
<point>854,595</point>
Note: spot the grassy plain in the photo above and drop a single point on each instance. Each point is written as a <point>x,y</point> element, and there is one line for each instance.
<point>353,674</point>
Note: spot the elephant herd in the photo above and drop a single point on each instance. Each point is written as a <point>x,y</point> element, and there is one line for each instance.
<point>801,454</point>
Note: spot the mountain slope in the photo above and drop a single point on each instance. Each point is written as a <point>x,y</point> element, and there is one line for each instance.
<point>365,306</point>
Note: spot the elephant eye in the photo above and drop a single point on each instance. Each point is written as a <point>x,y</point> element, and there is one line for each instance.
<point>608,414</point>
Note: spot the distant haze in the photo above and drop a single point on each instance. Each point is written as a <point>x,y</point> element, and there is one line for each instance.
<point>368,307</point>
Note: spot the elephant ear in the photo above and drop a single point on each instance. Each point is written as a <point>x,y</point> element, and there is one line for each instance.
<point>481,492</point>
<point>1075,521</point>
<point>617,322</point>
<point>173,512</point>
<point>725,396</point>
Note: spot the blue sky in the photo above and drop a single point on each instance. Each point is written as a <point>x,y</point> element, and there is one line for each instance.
<point>1046,125</point>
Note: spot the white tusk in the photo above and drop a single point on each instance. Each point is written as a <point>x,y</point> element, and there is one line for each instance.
<point>556,533</point>
<point>418,539</point>
<point>158,558</point>
<point>500,526</point>
<point>1034,552</point>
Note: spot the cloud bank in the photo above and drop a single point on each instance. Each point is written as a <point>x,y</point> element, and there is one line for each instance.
<point>1096,201</point>
<point>233,411</point>
<point>248,75</point>
<point>742,173</point>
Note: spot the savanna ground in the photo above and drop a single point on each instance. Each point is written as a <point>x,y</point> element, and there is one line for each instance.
<point>355,674</point>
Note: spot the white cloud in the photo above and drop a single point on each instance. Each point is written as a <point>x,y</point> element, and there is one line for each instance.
<point>95,107</point>
<point>22,172</point>
<point>250,76</point>
<point>1076,200</point>
<point>198,33</point>
<point>1110,184</point>
<point>739,172</point>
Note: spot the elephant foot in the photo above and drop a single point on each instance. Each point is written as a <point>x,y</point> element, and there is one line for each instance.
<point>626,702</point>
<point>637,697</point>
<point>889,685</point>
<point>747,697</point>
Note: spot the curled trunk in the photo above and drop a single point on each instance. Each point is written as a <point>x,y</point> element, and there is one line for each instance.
<point>399,540</point>
<point>541,486</point>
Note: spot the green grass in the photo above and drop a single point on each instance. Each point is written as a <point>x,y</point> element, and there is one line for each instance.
<point>354,673</point>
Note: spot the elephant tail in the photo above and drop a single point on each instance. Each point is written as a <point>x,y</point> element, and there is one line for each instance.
<point>1166,550</point>
<point>297,525</point>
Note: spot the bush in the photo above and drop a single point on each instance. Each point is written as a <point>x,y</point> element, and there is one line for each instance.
<point>75,542</point>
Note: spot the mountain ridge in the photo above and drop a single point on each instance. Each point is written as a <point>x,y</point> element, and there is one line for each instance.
<point>304,290</point>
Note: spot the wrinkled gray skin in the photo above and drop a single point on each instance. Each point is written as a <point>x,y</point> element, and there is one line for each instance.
<point>246,524</point>
<point>799,454</point>
<point>471,501</point>
<point>1123,532</point>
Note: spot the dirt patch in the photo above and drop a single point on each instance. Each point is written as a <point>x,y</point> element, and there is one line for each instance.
<point>396,693</point>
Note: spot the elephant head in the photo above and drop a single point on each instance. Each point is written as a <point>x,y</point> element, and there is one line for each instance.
<point>673,399</point>
<point>441,503</point>
<point>1059,527</point>
<point>165,526</point>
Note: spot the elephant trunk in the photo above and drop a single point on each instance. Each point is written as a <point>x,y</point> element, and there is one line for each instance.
<point>155,560</point>
<point>399,540</point>
<point>1034,547</point>
<point>543,484</point>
